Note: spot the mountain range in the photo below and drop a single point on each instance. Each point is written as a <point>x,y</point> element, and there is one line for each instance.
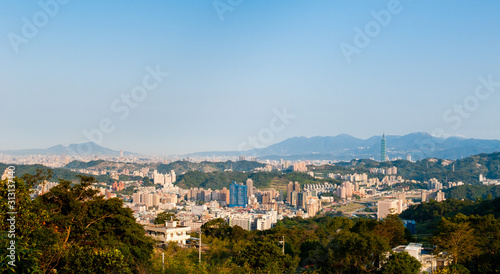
<point>344,147</point>
<point>89,148</point>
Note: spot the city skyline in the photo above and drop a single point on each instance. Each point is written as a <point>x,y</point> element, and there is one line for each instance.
<point>181,77</point>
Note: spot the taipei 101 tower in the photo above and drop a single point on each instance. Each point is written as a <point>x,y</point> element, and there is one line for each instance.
<point>382,149</point>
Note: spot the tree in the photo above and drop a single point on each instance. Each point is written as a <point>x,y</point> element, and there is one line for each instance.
<point>77,230</point>
<point>88,260</point>
<point>217,228</point>
<point>392,229</point>
<point>312,253</point>
<point>487,231</point>
<point>456,236</point>
<point>401,263</point>
<point>266,257</point>
<point>350,252</point>
<point>165,216</point>
<point>147,182</point>
<point>29,220</point>
<point>452,269</point>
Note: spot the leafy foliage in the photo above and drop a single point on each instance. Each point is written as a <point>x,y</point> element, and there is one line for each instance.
<point>456,236</point>
<point>164,216</point>
<point>472,192</point>
<point>432,209</point>
<point>401,263</point>
<point>473,241</point>
<point>70,229</point>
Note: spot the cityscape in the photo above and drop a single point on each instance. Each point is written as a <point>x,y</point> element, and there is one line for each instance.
<point>156,198</point>
<point>250,137</point>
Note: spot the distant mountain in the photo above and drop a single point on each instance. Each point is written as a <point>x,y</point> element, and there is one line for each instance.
<point>89,148</point>
<point>345,147</point>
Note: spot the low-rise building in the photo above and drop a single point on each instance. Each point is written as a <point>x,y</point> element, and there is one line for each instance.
<point>170,232</point>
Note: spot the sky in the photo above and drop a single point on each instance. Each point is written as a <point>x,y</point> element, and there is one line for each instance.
<point>170,77</point>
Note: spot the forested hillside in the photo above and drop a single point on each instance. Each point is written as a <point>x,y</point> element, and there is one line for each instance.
<point>473,192</point>
<point>179,167</point>
<point>63,173</point>
<point>466,170</point>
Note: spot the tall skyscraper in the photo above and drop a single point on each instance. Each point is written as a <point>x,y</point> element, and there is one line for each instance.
<point>238,195</point>
<point>249,187</point>
<point>382,149</point>
<point>289,190</point>
<point>292,187</point>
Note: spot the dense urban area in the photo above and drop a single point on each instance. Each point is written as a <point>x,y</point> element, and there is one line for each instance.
<point>145,215</point>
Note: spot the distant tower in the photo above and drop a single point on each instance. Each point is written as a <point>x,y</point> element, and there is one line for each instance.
<point>121,153</point>
<point>382,149</point>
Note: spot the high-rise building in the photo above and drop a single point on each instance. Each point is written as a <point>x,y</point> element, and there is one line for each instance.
<point>266,197</point>
<point>244,222</point>
<point>166,180</point>
<point>301,199</point>
<point>225,195</point>
<point>238,195</point>
<point>300,167</point>
<point>387,207</point>
<point>294,198</point>
<point>158,178</point>
<point>434,184</point>
<point>424,195</point>
<point>173,177</point>
<point>249,187</point>
<point>137,198</point>
<point>313,206</point>
<point>147,198</point>
<point>382,149</point>
<point>291,187</point>
<point>440,196</point>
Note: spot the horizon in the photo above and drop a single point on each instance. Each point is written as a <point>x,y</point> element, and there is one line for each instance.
<point>165,78</point>
<point>194,152</point>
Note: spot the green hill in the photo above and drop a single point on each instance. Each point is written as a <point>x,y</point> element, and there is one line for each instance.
<point>466,170</point>
<point>179,167</point>
<point>473,192</point>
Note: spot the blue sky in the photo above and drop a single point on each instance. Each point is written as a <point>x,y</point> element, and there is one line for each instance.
<point>229,75</point>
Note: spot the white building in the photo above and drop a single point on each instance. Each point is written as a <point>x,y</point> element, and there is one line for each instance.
<point>263,223</point>
<point>244,222</point>
<point>414,249</point>
<point>389,207</point>
<point>166,180</point>
<point>170,232</point>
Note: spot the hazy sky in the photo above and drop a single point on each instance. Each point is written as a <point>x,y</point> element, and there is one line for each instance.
<point>355,67</point>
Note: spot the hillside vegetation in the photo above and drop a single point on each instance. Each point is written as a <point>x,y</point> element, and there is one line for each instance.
<point>466,170</point>
<point>179,167</point>
<point>473,192</point>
